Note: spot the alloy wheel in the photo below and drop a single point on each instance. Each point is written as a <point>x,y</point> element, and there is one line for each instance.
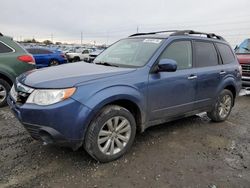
<point>225,105</point>
<point>54,63</point>
<point>3,93</point>
<point>114,135</point>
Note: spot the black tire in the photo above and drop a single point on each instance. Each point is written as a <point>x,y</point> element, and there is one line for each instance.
<point>53,63</point>
<point>92,135</point>
<point>76,59</point>
<point>4,88</point>
<point>215,114</point>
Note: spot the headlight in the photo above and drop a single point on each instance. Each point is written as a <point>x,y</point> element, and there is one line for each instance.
<point>49,96</point>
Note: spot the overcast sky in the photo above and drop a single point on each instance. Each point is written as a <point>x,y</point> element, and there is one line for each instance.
<point>105,21</point>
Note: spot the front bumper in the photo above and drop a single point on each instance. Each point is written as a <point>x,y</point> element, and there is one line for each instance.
<point>62,124</point>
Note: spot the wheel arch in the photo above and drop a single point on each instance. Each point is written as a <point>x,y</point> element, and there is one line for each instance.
<point>230,85</point>
<point>231,88</point>
<point>124,96</point>
<point>7,78</point>
<point>127,102</point>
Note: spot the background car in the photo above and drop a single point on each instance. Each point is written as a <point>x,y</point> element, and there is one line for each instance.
<point>79,56</point>
<point>243,54</point>
<point>94,54</point>
<point>47,57</point>
<point>14,60</point>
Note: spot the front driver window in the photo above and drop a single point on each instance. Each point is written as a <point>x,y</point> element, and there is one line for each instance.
<point>181,52</point>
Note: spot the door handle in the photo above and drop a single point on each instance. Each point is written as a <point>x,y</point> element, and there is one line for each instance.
<point>222,72</point>
<point>192,77</point>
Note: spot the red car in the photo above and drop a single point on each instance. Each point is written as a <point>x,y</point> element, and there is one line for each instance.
<point>243,54</point>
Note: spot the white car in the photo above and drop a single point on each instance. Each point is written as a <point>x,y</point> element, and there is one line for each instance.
<point>79,56</point>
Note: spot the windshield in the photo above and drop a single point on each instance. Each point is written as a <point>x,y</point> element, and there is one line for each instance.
<point>129,52</point>
<point>244,47</point>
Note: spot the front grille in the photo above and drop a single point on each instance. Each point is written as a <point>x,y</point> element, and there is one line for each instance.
<point>22,97</point>
<point>33,130</point>
<point>245,68</point>
<point>20,92</point>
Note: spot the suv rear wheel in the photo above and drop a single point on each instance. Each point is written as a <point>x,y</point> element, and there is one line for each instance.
<point>111,134</point>
<point>222,107</point>
<point>4,90</point>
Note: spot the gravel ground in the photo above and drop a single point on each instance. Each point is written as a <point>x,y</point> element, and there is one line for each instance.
<point>192,152</point>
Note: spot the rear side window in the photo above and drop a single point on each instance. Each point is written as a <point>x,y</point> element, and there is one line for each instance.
<point>226,53</point>
<point>4,48</point>
<point>181,52</point>
<point>43,51</point>
<point>32,51</point>
<point>205,54</point>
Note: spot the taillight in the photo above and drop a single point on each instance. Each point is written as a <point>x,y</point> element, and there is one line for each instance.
<point>26,59</point>
<point>63,56</point>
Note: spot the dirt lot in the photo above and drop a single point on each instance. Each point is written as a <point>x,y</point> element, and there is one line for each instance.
<point>191,152</point>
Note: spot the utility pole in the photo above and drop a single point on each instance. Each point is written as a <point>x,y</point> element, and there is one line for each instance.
<point>137,29</point>
<point>107,41</point>
<point>81,37</point>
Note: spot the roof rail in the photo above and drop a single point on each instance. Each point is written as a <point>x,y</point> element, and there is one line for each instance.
<point>152,33</point>
<point>182,32</point>
<point>191,32</point>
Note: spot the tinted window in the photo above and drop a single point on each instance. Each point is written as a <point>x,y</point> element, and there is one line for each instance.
<point>4,48</point>
<point>38,51</point>
<point>226,53</point>
<point>32,51</point>
<point>85,52</point>
<point>43,51</point>
<point>181,52</point>
<point>205,54</point>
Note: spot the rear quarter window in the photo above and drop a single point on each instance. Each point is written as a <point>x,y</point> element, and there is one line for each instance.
<point>4,48</point>
<point>205,54</point>
<point>226,53</point>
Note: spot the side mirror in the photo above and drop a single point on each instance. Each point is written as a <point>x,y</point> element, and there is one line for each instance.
<point>167,65</point>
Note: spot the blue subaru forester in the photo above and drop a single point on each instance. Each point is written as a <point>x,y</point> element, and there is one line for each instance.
<point>143,80</point>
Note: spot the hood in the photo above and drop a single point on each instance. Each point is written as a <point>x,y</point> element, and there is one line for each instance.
<point>68,75</point>
<point>243,58</point>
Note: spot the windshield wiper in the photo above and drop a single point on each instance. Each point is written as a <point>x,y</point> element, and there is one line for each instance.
<point>106,64</point>
<point>246,49</point>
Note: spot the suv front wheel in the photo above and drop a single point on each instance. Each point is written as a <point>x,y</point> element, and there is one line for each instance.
<point>4,90</point>
<point>222,107</point>
<point>111,134</point>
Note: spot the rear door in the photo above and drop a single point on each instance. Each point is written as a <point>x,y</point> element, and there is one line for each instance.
<point>36,53</point>
<point>173,93</point>
<point>209,70</point>
<point>44,56</point>
<point>230,65</point>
